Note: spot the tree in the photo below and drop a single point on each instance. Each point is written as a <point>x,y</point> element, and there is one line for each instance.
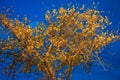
<point>72,37</point>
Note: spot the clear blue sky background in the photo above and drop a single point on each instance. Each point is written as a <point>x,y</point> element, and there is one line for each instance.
<point>111,54</point>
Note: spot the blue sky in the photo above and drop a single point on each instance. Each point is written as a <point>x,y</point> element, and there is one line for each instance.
<point>111,54</point>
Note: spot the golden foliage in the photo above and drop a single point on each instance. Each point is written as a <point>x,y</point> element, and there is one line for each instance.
<point>71,38</point>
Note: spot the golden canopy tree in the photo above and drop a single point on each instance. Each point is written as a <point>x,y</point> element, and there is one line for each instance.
<point>73,36</point>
